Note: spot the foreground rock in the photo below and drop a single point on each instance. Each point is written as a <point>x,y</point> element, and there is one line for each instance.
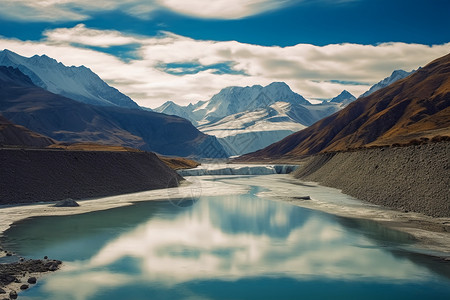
<point>49,175</point>
<point>13,275</point>
<point>66,203</point>
<point>414,178</point>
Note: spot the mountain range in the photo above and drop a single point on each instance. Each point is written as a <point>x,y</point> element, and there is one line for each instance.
<point>77,83</point>
<point>67,120</point>
<point>416,107</point>
<point>245,119</point>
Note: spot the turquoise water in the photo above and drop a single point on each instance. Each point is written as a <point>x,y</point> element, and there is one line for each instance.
<point>227,247</point>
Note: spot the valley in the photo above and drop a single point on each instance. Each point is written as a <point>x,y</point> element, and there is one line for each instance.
<point>256,188</point>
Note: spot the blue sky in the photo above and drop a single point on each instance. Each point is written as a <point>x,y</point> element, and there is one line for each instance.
<point>170,48</point>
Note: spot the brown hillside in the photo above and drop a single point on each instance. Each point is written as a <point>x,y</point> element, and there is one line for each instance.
<point>16,135</point>
<point>415,107</point>
<point>179,163</point>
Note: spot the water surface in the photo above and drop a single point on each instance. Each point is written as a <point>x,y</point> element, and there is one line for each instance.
<point>224,247</point>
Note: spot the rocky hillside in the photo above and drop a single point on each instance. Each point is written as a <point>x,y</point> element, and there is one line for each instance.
<point>416,107</point>
<point>414,178</point>
<point>48,175</point>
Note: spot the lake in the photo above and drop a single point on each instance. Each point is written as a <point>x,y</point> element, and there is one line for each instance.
<point>230,246</point>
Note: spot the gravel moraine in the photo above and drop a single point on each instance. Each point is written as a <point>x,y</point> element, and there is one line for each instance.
<point>414,178</point>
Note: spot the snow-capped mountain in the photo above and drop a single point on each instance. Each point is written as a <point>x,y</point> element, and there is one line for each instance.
<point>232,100</point>
<point>77,83</point>
<point>249,131</point>
<point>396,75</point>
<point>344,98</point>
<point>171,108</point>
<point>245,119</point>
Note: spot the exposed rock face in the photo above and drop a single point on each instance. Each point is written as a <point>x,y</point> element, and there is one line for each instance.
<point>47,175</point>
<point>413,178</point>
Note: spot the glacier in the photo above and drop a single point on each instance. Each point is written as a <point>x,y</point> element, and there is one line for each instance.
<point>237,169</point>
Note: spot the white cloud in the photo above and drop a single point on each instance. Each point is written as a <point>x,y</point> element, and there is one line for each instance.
<point>308,69</point>
<point>91,37</point>
<point>54,10</point>
<point>222,9</point>
<point>63,10</point>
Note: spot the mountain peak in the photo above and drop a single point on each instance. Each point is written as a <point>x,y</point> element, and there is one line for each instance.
<point>344,97</point>
<point>77,83</point>
<point>279,84</point>
<point>7,56</point>
<point>7,52</point>
<point>396,75</point>
<point>44,60</point>
<point>399,73</point>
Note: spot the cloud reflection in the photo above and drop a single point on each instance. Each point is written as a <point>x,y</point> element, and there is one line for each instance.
<point>232,238</point>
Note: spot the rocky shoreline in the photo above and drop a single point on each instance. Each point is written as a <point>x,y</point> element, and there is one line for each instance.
<point>21,275</point>
<point>414,178</point>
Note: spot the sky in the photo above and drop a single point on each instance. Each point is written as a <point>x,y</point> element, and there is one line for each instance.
<point>188,50</point>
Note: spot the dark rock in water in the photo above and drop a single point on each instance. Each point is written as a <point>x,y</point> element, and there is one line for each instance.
<point>46,257</point>
<point>303,198</point>
<point>52,265</point>
<point>66,203</point>
<point>2,291</point>
<point>13,295</point>
<point>32,280</point>
<point>9,254</point>
<point>24,286</point>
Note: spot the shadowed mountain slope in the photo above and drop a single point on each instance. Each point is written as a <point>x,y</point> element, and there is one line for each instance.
<point>67,120</point>
<point>412,108</point>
